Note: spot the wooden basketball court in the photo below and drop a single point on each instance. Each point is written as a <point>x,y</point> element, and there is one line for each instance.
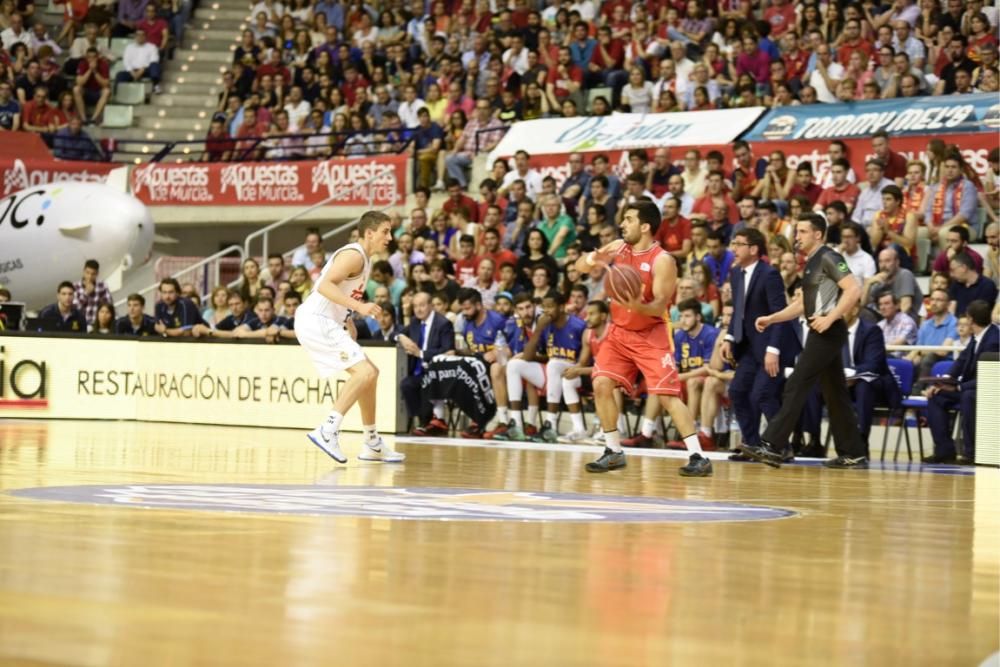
<point>177,545</point>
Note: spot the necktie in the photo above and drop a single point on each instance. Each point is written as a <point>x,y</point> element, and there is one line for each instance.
<point>418,371</point>
<point>739,307</point>
<point>846,354</point>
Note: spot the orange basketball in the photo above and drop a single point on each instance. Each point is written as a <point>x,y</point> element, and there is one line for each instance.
<point>622,283</point>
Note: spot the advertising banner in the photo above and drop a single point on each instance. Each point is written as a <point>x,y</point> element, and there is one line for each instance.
<point>195,383</point>
<point>899,117</point>
<point>974,147</point>
<point>622,131</point>
<point>273,183</point>
<point>19,174</point>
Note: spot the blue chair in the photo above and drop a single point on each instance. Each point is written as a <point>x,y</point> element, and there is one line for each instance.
<point>918,404</point>
<point>902,371</point>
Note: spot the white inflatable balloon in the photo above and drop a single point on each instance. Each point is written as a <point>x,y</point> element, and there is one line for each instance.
<point>47,232</point>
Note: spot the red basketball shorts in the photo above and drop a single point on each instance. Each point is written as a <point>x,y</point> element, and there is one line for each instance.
<point>625,353</point>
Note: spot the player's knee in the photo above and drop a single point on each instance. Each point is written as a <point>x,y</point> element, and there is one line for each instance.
<point>604,387</point>
<point>369,372</point>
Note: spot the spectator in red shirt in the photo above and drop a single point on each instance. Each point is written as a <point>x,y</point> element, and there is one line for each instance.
<point>36,114</point>
<point>251,129</point>
<point>605,68</point>
<point>753,61</point>
<point>157,30</point>
<point>840,190</point>
<point>674,233</point>
<point>715,193</point>
<point>458,201</point>
<point>564,80</point>
<point>781,16</point>
<point>218,145</point>
<point>92,85</point>
<point>795,58</point>
<point>851,41</point>
<point>492,250</point>
<point>353,81</point>
<point>895,164</point>
<point>805,184</point>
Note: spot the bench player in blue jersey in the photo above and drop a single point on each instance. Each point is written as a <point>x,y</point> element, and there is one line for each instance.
<point>553,347</point>
<point>516,333</point>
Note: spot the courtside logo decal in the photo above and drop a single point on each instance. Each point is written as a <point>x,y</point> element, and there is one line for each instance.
<point>405,503</point>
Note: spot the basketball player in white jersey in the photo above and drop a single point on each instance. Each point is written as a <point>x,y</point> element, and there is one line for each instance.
<point>324,327</point>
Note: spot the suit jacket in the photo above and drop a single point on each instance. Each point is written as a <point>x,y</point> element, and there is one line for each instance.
<point>964,368</point>
<point>765,296</point>
<point>440,338</point>
<point>869,356</point>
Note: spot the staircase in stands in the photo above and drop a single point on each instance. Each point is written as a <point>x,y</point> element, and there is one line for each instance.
<point>192,81</point>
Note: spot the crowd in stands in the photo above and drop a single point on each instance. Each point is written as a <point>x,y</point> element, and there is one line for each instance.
<point>501,273</point>
<point>335,78</point>
<point>57,84</point>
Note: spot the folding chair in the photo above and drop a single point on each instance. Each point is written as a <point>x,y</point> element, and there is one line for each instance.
<point>918,404</point>
<point>902,371</point>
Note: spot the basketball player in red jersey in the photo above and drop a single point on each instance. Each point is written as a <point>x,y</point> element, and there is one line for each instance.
<point>638,339</point>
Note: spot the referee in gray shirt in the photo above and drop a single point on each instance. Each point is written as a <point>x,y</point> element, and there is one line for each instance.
<point>829,290</point>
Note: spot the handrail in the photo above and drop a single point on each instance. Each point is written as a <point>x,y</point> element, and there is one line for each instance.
<point>337,194</point>
<point>197,265</point>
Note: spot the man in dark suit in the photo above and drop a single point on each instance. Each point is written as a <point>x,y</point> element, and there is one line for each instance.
<point>872,382</point>
<point>757,291</point>
<point>942,398</point>
<point>428,335</point>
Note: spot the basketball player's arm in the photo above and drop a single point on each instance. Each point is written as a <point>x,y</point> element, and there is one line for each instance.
<point>346,265</point>
<point>582,366</point>
<point>600,256</point>
<point>530,352</point>
<point>664,284</point>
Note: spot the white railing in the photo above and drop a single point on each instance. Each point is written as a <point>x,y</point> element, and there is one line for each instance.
<point>264,233</point>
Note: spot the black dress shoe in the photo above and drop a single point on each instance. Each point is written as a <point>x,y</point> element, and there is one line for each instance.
<point>764,453</point>
<point>937,459</point>
<point>739,456</point>
<point>965,461</point>
<point>813,451</point>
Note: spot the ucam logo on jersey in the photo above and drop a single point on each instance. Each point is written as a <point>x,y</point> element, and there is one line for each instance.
<point>441,504</point>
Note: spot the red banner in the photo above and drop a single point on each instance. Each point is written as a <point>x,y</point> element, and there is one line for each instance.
<point>20,174</point>
<point>975,148</point>
<point>380,180</point>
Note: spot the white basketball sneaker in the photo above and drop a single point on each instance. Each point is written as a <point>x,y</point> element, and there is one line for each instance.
<point>377,450</point>
<point>330,445</point>
<point>574,437</point>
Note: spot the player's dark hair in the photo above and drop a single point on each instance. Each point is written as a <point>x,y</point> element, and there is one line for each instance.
<point>556,296</point>
<point>467,238</point>
<point>521,297</point>
<point>64,284</point>
<point>601,306</point>
<point>581,289</point>
<point>648,214</point>
<point>276,255</point>
<point>887,291</point>
<point>137,297</point>
<point>389,309</point>
<point>169,281</point>
<point>92,264</point>
<point>716,235</point>
<point>817,221</point>
<point>371,220</point>
<point>471,295</point>
<point>382,266</point>
<point>692,305</point>
<point>292,294</point>
<point>264,299</point>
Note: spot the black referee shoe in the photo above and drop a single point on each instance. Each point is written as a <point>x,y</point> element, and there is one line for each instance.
<point>765,453</point>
